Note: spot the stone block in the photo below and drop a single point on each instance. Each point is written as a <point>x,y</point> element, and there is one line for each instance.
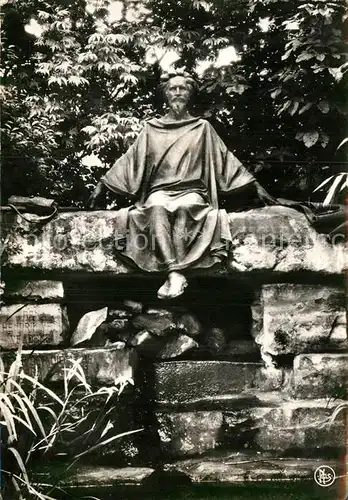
<point>34,291</point>
<point>291,426</point>
<point>189,433</point>
<point>303,318</point>
<point>197,382</point>
<point>104,366</point>
<point>300,425</point>
<point>320,375</point>
<point>276,239</point>
<point>39,324</point>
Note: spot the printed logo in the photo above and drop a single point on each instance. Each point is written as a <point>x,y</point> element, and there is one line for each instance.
<point>324,476</point>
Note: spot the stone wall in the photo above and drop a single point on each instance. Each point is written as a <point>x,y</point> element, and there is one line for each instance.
<point>253,357</point>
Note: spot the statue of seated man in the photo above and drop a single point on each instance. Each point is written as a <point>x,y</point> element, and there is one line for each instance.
<point>175,172</point>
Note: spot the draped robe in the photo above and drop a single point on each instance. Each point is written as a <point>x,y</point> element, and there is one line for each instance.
<point>174,173</point>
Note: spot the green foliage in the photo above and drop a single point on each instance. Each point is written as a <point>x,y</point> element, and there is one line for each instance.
<point>36,422</point>
<point>336,186</point>
<point>84,86</point>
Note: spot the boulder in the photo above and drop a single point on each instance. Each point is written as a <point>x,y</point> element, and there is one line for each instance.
<point>133,306</point>
<point>37,324</point>
<point>140,338</point>
<point>215,340</point>
<point>189,324</point>
<point>175,346</point>
<point>158,325</point>
<point>119,325</point>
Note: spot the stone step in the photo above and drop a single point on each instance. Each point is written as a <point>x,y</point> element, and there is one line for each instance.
<point>182,383</point>
<point>101,366</point>
<point>263,473</point>
<point>293,426</point>
<point>234,468</point>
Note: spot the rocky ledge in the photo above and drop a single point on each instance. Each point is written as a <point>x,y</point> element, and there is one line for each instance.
<point>274,239</point>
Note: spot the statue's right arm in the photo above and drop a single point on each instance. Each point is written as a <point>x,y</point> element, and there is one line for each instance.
<point>98,191</point>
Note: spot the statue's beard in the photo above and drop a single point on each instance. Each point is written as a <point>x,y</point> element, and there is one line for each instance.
<point>178,106</point>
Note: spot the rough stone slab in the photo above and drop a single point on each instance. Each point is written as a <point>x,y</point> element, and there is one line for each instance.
<point>320,375</point>
<point>34,291</point>
<point>189,382</point>
<point>101,476</point>
<point>271,238</point>
<point>108,476</point>
<point>303,318</point>
<point>40,324</point>
<point>230,469</point>
<point>105,366</point>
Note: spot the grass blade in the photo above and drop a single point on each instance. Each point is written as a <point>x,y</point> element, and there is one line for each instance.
<point>20,463</point>
<point>107,441</point>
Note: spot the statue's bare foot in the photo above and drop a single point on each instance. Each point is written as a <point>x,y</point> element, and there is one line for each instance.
<point>177,284</point>
<point>163,291</point>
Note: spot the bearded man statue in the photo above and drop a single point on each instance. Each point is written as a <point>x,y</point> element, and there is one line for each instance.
<point>175,172</point>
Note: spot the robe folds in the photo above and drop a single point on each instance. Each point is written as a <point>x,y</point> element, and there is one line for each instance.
<point>174,173</point>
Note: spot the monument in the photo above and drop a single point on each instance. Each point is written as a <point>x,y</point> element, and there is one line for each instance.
<point>175,173</point>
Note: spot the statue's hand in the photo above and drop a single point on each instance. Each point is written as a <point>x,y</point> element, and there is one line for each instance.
<point>92,200</point>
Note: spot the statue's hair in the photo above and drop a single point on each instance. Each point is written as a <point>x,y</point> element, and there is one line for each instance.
<point>190,81</point>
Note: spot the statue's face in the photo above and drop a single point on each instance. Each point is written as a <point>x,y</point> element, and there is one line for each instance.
<point>178,94</point>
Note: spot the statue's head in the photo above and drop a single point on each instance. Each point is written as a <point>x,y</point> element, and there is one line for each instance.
<point>178,91</point>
